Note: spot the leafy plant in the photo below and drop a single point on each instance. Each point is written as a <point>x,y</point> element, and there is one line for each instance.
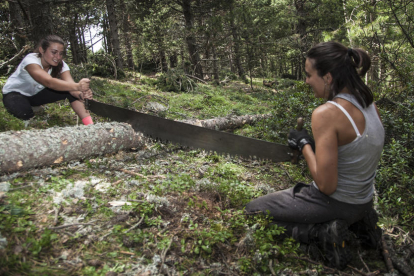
<point>177,81</point>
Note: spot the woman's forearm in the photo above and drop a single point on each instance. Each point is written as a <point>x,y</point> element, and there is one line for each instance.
<point>326,179</point>
<point>310,158</point>
<point>61,85</point>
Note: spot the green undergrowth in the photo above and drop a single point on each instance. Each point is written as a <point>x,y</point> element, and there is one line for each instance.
<point>194,215</point>
<point>172,210</point>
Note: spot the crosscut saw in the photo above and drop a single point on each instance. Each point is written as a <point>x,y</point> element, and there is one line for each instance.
<point>194,136</point>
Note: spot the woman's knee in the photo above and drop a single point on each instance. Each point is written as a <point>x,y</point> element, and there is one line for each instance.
<point>18,106</point>
<point>257,206</point>
<point>22,113</point>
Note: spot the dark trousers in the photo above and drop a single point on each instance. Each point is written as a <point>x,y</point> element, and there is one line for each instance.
<point>20,106</point>
<point>299,208</point>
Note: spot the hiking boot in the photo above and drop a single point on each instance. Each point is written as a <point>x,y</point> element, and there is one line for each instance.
<point>367,230</point>
<point>312,251</point>
<point>333,239</point>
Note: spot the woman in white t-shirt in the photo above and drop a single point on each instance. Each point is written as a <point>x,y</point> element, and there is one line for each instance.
<point>43,77</point>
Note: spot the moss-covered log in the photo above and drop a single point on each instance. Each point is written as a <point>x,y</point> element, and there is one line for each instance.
<point>21,150</point>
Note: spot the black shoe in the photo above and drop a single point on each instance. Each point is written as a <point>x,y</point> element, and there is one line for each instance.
<point>312,251</point>
<point>367,230</point>
<point>334,242</point>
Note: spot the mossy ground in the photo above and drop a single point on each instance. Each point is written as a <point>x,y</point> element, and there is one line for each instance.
<point>163,209</point>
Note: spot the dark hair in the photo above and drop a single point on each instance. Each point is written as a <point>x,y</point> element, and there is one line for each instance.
<point>45,43</point>
<point>342,62</point>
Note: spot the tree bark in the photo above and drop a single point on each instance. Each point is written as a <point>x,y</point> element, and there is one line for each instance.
<point>17,23</point>
<point>173,60</point>
<point>40,14</point>
<point>190,39</point>
<point>236,45</point>
<point>22,150</point>
<point>113,28</point>
<point>127,35</point>
<point>215,65</point>
<point>27,149</point>
<point>83,51</point>
<point>106,35</point>
<point>74,45</point>
<point>163,61</point>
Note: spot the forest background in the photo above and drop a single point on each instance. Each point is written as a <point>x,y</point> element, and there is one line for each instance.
<point>214,43</point>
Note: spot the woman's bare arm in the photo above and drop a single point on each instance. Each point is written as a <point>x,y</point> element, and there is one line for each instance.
<point>39,75</point>
<point>323,164</point>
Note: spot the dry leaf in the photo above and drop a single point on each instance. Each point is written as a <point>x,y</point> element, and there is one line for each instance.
<point>59,160</point>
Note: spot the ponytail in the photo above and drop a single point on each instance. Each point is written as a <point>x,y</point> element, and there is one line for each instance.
<point>347,67</point>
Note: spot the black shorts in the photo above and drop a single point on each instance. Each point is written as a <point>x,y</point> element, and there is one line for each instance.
<point>20,106</point>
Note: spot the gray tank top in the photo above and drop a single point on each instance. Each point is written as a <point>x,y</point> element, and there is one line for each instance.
<point>358,160</point>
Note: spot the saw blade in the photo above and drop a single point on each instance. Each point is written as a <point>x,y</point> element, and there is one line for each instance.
<point>193,136</point>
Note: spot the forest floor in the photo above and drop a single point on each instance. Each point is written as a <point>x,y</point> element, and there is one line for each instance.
<point>158,210</point>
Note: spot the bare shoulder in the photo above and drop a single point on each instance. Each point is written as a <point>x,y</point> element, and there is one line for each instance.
<point>325,112</point>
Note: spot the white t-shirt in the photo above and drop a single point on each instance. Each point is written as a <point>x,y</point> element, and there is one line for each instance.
<point>21,81</point>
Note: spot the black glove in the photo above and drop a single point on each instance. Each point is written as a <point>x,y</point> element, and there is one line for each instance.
<point>297,139</point>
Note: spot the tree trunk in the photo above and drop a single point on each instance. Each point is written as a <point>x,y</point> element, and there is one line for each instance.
<point>18,24</point>
<point>190,39</point>
<point>163,61</point>
<point>113,28</point>
<point>303,46</point>
<point>373,73</point>
<point>127,35</point>
<point>22,150</point>
<point>74,46</point>
<point>347,20</point>
<point>84,50</point>
<point>173,60</point>
<point>40,14</point>
<point>106,36</point>
<point>215,66</point>
<point>236,47</point>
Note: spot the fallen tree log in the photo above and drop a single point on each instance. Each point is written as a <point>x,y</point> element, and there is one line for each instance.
<point>229,122</point>
<point>27,149</point>
<point>22,150</point>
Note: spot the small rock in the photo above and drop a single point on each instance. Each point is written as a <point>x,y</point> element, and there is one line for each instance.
<point>4,186</point>
<point>156,107</point>
<point>96,263</point>
<point>3,242</point>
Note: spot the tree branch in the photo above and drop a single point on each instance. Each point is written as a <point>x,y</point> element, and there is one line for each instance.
<point>410,40</point>
<point>22,51</point>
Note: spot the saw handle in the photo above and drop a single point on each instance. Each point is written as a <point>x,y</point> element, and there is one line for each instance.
<point>296,153</point>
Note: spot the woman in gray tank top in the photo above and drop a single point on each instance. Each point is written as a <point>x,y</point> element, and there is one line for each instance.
<point>342,159</point>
